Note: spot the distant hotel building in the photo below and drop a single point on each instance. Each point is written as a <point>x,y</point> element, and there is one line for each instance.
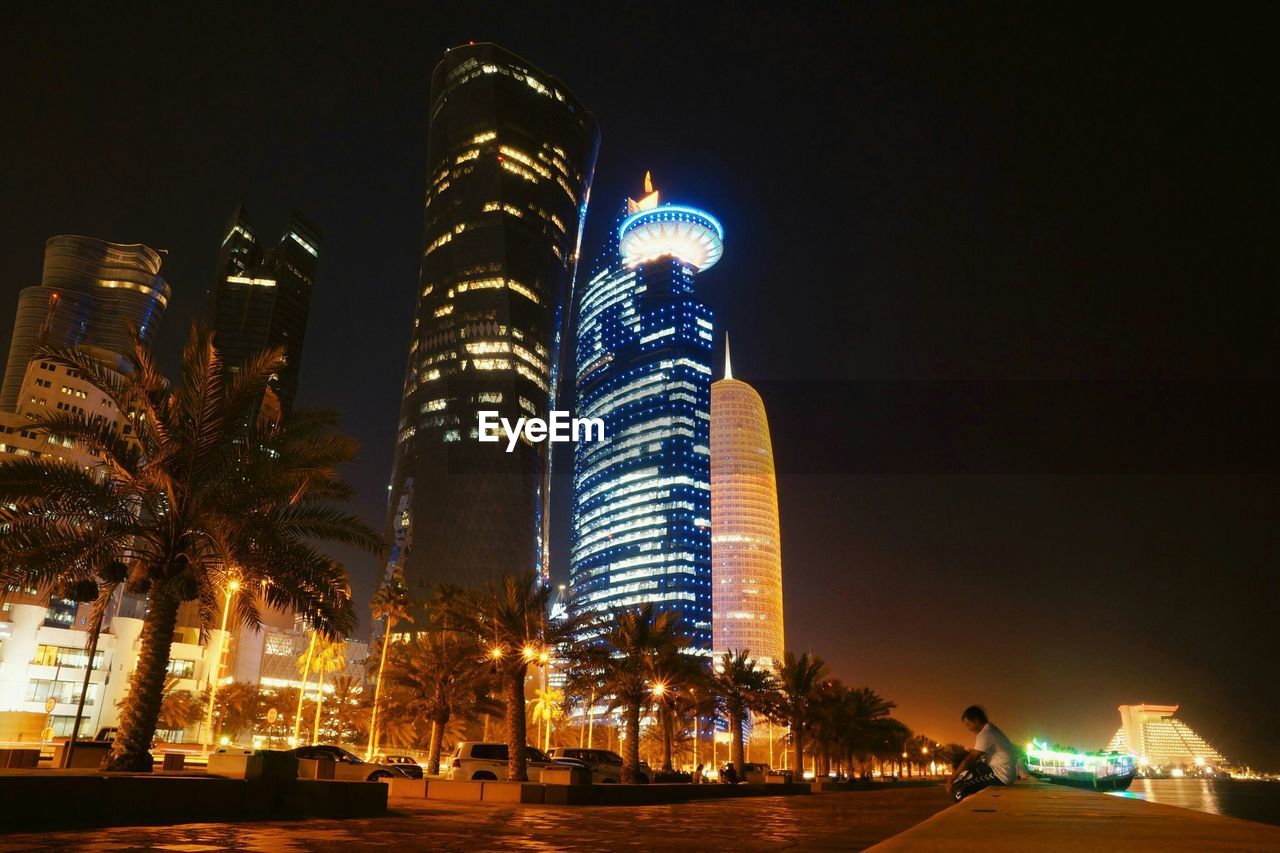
<point>642,498</point>
<point>1159,739</point>
<point>92,293</point>
<point>746,541</point>
<point>262,297</point>
<point>510,156</point>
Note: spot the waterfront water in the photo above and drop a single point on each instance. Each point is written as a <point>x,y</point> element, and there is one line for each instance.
<point>1258,801</point>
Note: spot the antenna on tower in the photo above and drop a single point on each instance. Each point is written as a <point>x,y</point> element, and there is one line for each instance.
<point>728,368</point>
<point>648,182</point>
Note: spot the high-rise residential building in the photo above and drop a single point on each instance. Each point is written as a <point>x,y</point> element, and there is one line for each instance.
<point>262,296</point>
<point>642,498</point>
<point>510,156</point>
<point>746,541</point>
<point>94,297</point>
<point>92,293</point>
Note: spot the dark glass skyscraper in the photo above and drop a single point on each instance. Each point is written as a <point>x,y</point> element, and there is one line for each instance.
<point>92,293</point>
<point>262,296</point>
<point>510,155</point>
<point>642,497</point>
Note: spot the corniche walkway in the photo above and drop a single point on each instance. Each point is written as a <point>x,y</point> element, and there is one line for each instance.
<point>1028,817</point>
<point>837,821</point>
<point>1043,817</point>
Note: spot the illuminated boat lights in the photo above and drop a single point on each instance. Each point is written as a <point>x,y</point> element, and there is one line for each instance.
<point>688,234</point>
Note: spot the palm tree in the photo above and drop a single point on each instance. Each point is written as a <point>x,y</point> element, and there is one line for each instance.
<point>191,489</point>
<point>235,707</point>
<point>741,688</point>
<point>329,656</point>
<point>392,604</point>
<point>347,711</point>
<point>676,676</point>
<point>511,618</point>
<point>548,707</point>
<point>439,676</point>
<point>627,666</point>
<point>178,708</point>
<point>282,700</point>
<point>799,678</point>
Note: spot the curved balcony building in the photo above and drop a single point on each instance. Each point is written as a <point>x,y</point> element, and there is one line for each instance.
<point>92,293</point>
<point>746,540</point>
<point>642,497</point>
<point>510,156</point>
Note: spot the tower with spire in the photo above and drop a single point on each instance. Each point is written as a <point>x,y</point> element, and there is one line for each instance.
<point>642,498</point>
<point>746,539</point>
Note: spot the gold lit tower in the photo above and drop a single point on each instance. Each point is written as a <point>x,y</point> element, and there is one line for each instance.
<point>746,544</point>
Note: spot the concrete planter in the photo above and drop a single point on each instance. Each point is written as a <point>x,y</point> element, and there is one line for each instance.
<point>400,787</point>
<point>88,753</point>
<point>264,764</point>
<point>566,776</point>
<point>512,792</point>
<point>316,768</point>
<point>448,789</point>
<point>19,759</point>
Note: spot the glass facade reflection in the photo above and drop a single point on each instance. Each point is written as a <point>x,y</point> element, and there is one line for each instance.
<point>510,156</point>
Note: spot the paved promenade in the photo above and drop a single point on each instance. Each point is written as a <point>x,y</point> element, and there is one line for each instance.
<point>1042,817</point>
<point>841,821</point>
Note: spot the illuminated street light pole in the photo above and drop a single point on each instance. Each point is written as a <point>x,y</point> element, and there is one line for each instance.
<point>545,658</point>
<point>232,586</point>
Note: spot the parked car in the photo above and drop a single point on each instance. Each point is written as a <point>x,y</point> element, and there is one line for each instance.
<point>605,764</point>
<point>474,760</point>
<point>347,766</point>
<point>404,764</point>
<point>107,734</point>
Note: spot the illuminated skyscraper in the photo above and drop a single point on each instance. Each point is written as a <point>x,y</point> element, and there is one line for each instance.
<point>93,293</point>
<point>510,155</point>
<point>642,497</point>
<point>746,543</point>
<point>262,296</point>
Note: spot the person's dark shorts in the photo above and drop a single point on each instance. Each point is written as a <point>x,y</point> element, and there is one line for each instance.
<point>973,780</point>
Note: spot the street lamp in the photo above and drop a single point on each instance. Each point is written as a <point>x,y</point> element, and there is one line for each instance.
<point>232,586</point>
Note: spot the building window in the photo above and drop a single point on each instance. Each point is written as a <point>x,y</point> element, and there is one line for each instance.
<point>69,656</point>
<point>182,668</point>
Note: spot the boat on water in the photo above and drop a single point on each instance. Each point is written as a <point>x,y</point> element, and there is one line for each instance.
<point>1109,772</point>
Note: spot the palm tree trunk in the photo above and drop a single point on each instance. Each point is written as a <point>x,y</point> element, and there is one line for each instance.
<point>737,756</point>
<point>797,734</point>
<point>517,729</point>
<point>302,691</point>
<point>437,740</point>
<point>631,755</point>
<point>377,690</point>
<point>315,732</point>
<point>132,749</point>
<point>667,738</point>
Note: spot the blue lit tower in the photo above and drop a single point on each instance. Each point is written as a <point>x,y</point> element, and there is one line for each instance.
<point>642,497</point>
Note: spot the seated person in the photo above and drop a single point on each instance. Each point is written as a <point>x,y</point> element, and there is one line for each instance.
<point>990,762</point>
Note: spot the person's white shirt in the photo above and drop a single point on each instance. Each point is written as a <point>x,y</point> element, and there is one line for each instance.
<point>997,751</point>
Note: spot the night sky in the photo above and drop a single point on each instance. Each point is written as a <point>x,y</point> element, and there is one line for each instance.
<point>1005,280</point>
